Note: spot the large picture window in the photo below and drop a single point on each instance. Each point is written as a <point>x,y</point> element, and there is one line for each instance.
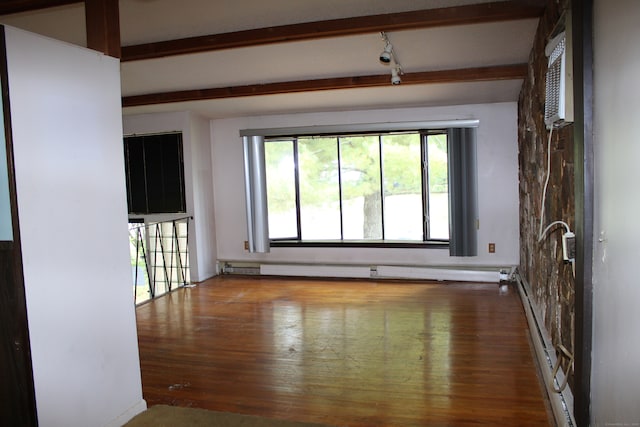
<point>374,187</point>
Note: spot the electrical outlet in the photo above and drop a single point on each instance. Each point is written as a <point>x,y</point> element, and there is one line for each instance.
<point>569,246</point>
<point>246,245</point>
<point>492,248</point>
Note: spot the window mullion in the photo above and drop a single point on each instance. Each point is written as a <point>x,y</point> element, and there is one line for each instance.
<point>146,183</point>
<point>296,180</point>
<point>382,200</point>
<point>425,185</point>
<point>340,188</point>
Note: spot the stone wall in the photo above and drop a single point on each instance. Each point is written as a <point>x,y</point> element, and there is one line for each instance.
<point>541,263</point>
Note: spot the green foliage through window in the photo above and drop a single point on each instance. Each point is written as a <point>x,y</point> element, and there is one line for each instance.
<point>370,187</point>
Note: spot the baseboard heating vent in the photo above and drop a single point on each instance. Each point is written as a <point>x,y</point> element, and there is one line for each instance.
<point>561,403</point>
<point>253,270</point>
<point>364,271</point>
<point>440,274</point>
<point>306,270</point>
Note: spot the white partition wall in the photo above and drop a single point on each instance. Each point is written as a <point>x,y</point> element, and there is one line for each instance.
<point>67,139</point>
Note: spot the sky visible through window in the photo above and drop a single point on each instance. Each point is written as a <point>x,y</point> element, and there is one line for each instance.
<point>358,187</point>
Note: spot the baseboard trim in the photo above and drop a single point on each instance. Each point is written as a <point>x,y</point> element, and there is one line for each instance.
<point>561,403</point>
<point>440,273</point>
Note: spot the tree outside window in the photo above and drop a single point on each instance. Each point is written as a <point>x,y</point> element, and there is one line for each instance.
<point>371,187</point>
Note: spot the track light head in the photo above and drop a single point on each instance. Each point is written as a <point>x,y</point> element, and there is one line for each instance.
<point>386,55</point>
<point>395,76</point>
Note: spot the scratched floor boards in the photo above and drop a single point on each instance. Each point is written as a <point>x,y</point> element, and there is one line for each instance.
<point>348,353</point>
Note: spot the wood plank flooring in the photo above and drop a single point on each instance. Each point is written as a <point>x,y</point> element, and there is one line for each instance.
<point>348,353</point>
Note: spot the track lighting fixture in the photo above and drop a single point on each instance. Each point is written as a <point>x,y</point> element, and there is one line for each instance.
<point>387,57</point>
<point>395,75</point>
<point>387,53</point>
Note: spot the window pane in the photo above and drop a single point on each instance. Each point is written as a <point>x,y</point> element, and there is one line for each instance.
<point>337,187</point>
<point>154,171</point>
<point>360,173</point>
<point>281,190</point>
<point>319,188</point>
<point>403,206</point>
<point>438,192</point>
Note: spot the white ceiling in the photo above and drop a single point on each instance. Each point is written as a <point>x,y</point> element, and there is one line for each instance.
<point>143,21</point>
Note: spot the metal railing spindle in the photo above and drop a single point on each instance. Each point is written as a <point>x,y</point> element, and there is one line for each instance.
<point>164,255</point>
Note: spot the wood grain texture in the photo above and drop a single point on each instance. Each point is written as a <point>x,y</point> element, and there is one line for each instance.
<point>427,18</point>
<point>103,26</point>
<point>16,6</point>
<point>463,75</point>
<point>355,353</point>
<point>541,260</point>
<point>17,395</point>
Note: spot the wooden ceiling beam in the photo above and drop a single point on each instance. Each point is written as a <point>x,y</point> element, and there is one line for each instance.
<point>499,72</point>
<point>458,15</point>
<point>103,26</point>
<point>102,20</point>
<point>8,7</point>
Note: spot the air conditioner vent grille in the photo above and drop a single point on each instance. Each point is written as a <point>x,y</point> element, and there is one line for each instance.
<point>554,108</point>
<point>558,50</point>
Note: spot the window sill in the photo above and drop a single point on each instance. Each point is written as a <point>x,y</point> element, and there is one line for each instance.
<point>358,244</point>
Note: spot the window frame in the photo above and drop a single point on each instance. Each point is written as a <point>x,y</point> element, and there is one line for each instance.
<point>154,172</point>
<point>297,241</point>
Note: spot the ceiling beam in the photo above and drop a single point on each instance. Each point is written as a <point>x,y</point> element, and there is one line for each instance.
<point>499,72</point>
<point>103,26</point>
<point>8,7</point>
<point>458,15</point>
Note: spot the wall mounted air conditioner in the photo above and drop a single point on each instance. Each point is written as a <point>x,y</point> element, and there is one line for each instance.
<point>558,107</point>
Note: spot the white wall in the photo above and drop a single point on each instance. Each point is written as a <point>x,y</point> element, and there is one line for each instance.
<point>67,131</point>
<point>497,192</point>
<point>203,206</point>
<point>198,181</point>
<point>616,324</point>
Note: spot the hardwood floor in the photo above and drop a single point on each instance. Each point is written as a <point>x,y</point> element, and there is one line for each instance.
<point>348,353</point>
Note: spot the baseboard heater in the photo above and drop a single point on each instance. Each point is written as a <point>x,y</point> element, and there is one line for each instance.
<point>364,272</point>
<point>302,270</point>
<point>449,274</point>
<point>561,403</point>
